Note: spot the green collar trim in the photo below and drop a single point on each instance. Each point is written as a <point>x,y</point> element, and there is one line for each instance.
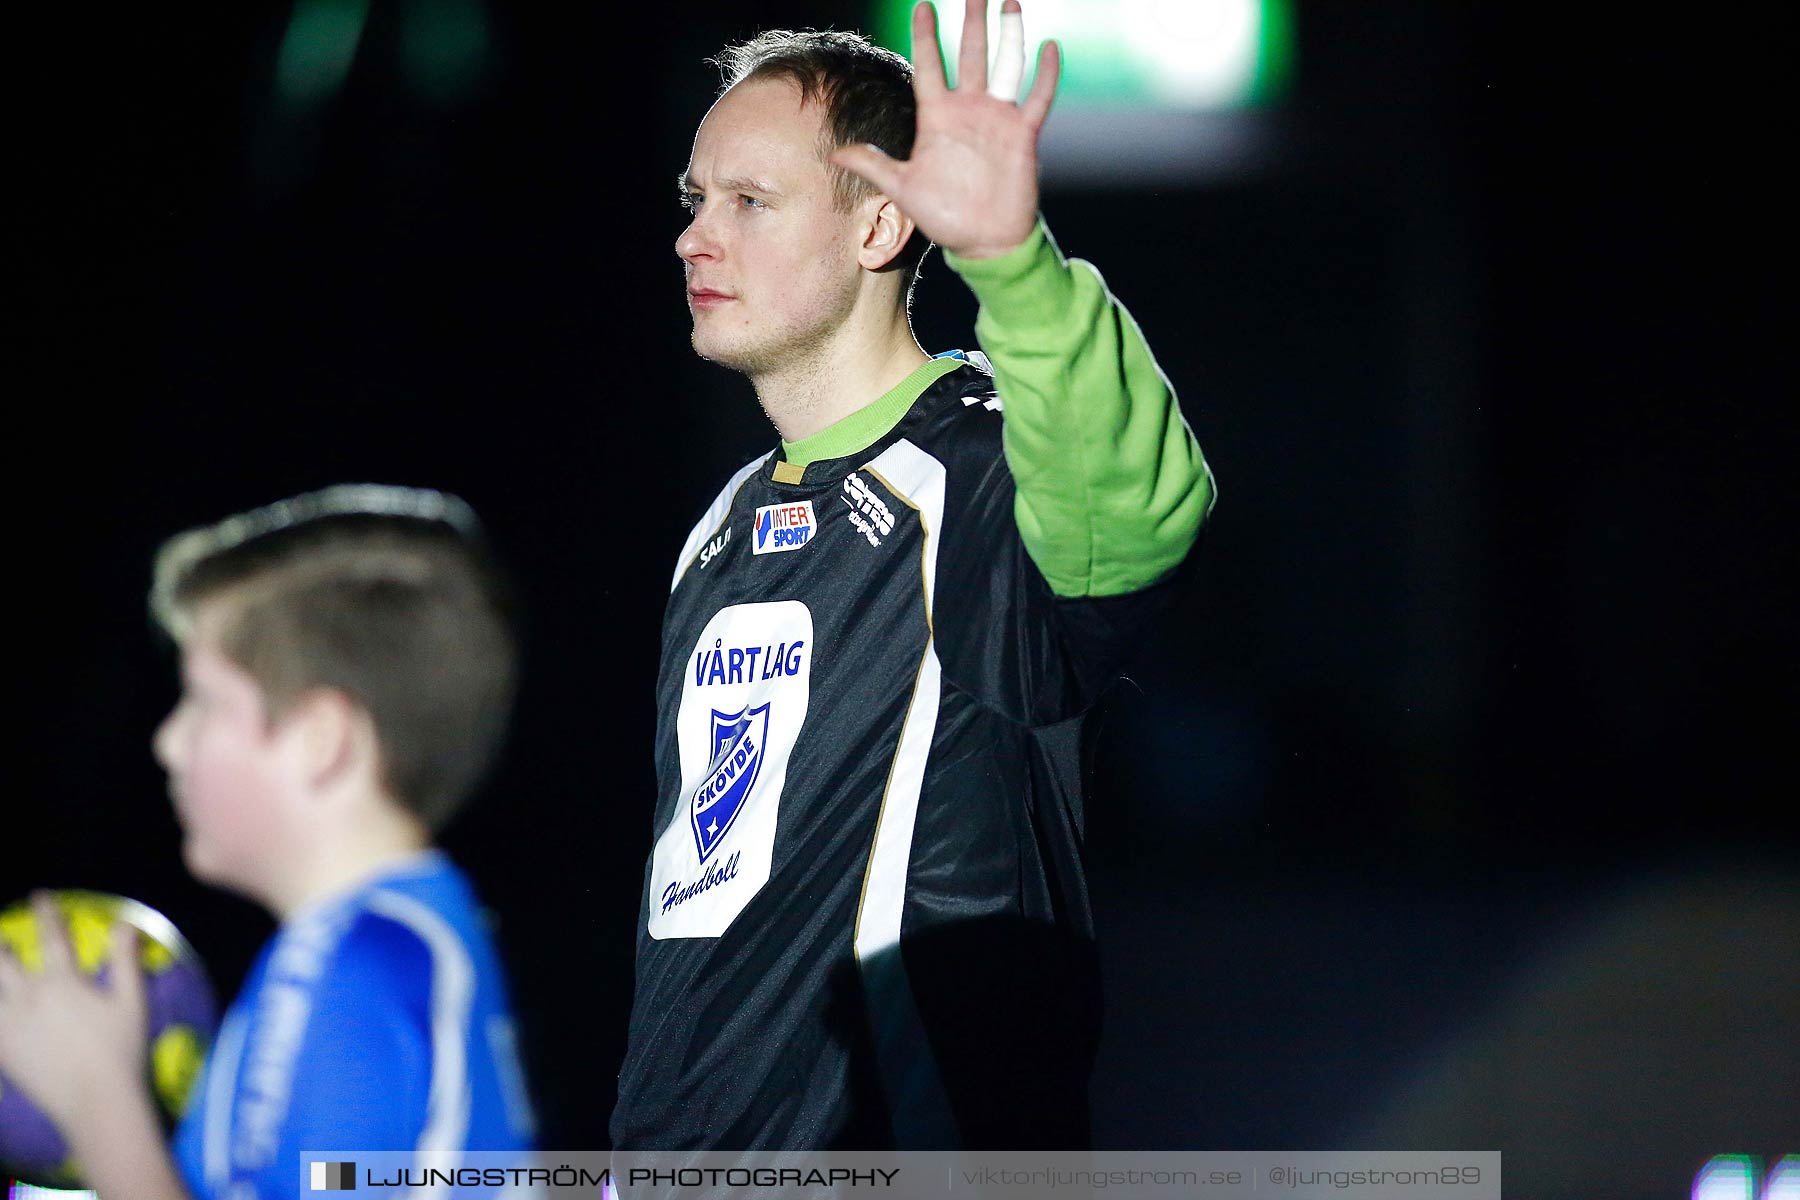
<point>865,426</point>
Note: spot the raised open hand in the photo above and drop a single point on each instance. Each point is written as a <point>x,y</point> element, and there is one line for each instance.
<point>971,183</point>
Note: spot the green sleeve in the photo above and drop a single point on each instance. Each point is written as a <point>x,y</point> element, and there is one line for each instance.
<point>1112,486</point>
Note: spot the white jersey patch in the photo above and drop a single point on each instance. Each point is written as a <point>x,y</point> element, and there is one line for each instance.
<point>743,702</point>
<point>779,527</point>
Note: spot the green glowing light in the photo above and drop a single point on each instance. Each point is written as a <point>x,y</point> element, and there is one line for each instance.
<point>444,46</point>
<point>1174,55</point>
<point>1784,1179</point>
<point>1726,1177</point>
<point>318,49</point>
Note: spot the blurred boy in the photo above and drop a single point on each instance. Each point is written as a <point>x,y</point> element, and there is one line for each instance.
<point>346,670</point>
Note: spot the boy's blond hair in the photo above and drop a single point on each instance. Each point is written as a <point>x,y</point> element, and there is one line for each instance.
<point>385,594</point>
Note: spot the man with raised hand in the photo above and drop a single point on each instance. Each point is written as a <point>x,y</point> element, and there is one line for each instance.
<point>865,917</point>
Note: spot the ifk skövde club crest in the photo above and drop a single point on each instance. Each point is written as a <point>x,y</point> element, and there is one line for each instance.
<point>738,740</point>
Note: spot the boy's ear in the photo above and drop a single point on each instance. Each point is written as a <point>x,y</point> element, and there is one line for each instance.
<point>335,738</point>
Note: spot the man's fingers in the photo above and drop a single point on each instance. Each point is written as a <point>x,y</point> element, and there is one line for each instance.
<point>1043,88</point>
<point>927,55</point>
<point>870,163</point>
<point>1009,59</point>
<point>971,61</point>
<point>53,937</point>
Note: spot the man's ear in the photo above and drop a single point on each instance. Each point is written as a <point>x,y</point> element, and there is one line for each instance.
<point>885,235</point>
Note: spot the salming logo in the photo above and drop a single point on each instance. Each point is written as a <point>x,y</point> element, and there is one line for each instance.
<point>867,512</point>
<point>715,547</point>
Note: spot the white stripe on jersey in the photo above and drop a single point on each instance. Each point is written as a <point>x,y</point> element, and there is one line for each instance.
<point>709,521</point>
<point>452,1001</point>
<point>916,1094</point>
<point>221,1082</point>
<point>503,1045</point>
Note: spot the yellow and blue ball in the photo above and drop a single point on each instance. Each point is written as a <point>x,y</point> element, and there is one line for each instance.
<point>183,1016</point>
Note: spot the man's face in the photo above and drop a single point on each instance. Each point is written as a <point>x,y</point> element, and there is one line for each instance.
<point>233,774</point>
<point>771,266</point>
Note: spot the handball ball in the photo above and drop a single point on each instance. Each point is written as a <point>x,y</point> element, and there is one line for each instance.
<point>182,1019</point>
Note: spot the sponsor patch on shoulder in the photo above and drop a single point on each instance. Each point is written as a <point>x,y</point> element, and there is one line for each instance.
<point>872,518</point>
<point>781,527</point>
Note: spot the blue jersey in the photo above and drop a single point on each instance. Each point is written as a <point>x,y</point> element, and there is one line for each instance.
<point>377,1020</point>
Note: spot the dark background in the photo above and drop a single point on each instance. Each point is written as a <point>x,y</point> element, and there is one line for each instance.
<point>1453,810</point>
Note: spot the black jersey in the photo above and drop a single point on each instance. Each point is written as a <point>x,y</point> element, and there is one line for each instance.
<point>865,919</point>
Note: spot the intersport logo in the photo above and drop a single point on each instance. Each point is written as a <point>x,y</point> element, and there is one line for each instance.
<point>781,527</point>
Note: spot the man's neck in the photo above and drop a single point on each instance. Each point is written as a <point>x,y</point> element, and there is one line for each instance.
<point>864,359</point>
